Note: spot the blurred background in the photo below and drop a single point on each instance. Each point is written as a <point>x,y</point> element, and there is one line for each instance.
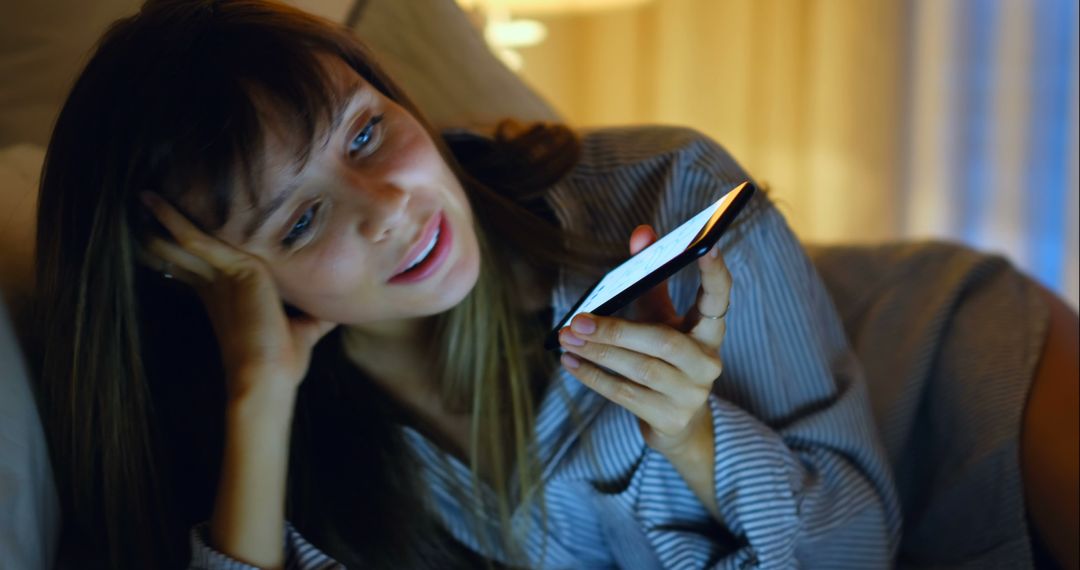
<point>868,120</point>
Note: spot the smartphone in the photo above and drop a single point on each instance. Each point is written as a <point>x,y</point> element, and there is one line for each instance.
<point>651,266</point>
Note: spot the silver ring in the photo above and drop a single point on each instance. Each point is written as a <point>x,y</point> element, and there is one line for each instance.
<point>165,268</point>
<point>720,316</point>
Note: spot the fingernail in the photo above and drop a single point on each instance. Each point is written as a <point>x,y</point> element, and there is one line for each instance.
<point>583,325</point>
<point>148,199</point>
<point>570,361</point>
<point>569,338</point>
<point>715,252</point>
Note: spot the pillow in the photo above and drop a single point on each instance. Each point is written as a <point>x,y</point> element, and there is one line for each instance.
<point>29,508</point>
<point>429,46</point>
<point>432,49</point>
<point>20,167</point>
<point>44,45</point>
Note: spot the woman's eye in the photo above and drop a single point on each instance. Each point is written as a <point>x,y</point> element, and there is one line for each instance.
<point>301,226</point>
<point>361,141</point>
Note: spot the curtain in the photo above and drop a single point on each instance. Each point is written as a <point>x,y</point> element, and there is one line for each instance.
<point>869,121</point>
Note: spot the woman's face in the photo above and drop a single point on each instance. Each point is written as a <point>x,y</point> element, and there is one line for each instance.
<point>336,232</point>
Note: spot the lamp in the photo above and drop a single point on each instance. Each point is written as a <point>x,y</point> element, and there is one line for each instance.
<point>550,7</point>
<point>504,33</point>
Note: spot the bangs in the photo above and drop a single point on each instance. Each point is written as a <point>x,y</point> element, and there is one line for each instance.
<point>216,97</point>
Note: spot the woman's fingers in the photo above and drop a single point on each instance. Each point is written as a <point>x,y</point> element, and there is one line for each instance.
<point>661,375</point>
<point>656,305</point>
<point>713,298</point>
<point>657,369</point>
<point>642,236</point>
<point>162,256</point>
<point>656,340</point>
<point>263,347</point>
<point>651,372</point>
<point>647,404</point>
<point>213,251</point>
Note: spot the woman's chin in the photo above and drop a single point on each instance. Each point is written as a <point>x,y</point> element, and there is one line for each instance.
<point>460,279</point>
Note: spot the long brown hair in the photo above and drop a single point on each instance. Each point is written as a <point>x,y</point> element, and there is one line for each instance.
<point>131,386</point>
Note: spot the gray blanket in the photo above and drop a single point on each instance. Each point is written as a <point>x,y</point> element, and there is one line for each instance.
<point>949,338</point>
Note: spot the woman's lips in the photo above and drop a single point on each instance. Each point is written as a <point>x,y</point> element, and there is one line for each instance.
<point>434,260</point>
<point>425,238</point>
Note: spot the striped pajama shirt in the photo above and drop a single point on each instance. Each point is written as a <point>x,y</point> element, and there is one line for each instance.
<point>801,478</point>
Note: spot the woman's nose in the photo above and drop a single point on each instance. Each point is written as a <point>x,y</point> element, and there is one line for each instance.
<point>382,209</point>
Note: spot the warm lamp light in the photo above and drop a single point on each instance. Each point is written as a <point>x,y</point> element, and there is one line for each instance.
<point>515,33</point>
<point>550,7</point>
<point>504,33</point>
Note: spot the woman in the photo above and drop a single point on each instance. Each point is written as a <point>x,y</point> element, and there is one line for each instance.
<point>232,199</point>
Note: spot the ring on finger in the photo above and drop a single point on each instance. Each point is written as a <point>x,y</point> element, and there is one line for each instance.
<point>166,270</point>
<point>720,316</point>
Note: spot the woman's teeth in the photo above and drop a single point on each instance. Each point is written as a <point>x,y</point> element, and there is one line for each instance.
<point>423,254</point>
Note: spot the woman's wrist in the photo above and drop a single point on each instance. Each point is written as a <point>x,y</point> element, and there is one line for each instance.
<point>695,460</point>
<point>249,510</point>
<point>254,394</point>
<point>697,446</point>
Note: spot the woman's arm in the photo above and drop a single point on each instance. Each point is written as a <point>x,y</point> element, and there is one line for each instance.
<point>799,469</point>
<point>696,464</point>
<point>247,529</point>
<point>791,466</point>
<point>249,511</point>
<point>265,355</point>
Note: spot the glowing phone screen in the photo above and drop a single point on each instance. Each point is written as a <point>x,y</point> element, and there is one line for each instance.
<point>651,258</point>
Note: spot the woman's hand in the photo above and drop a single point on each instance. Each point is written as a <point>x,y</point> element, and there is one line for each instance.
<point>661,367</point>
<point>261,347</point>
<point>266,355</point>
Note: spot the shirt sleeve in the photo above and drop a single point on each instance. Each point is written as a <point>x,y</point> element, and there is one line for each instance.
<point>299,553</point>
<point>800,473</point>
<point>801,477</point>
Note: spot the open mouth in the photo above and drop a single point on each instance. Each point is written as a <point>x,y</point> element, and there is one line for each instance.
<point>429,259</point>
<point>423,254</point>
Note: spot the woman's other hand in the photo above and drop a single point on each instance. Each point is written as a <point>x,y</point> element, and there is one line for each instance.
<point>262,348</point>
<point>662,367</point>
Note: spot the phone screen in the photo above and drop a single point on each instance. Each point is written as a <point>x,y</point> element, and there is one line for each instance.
<point>660,260</point>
